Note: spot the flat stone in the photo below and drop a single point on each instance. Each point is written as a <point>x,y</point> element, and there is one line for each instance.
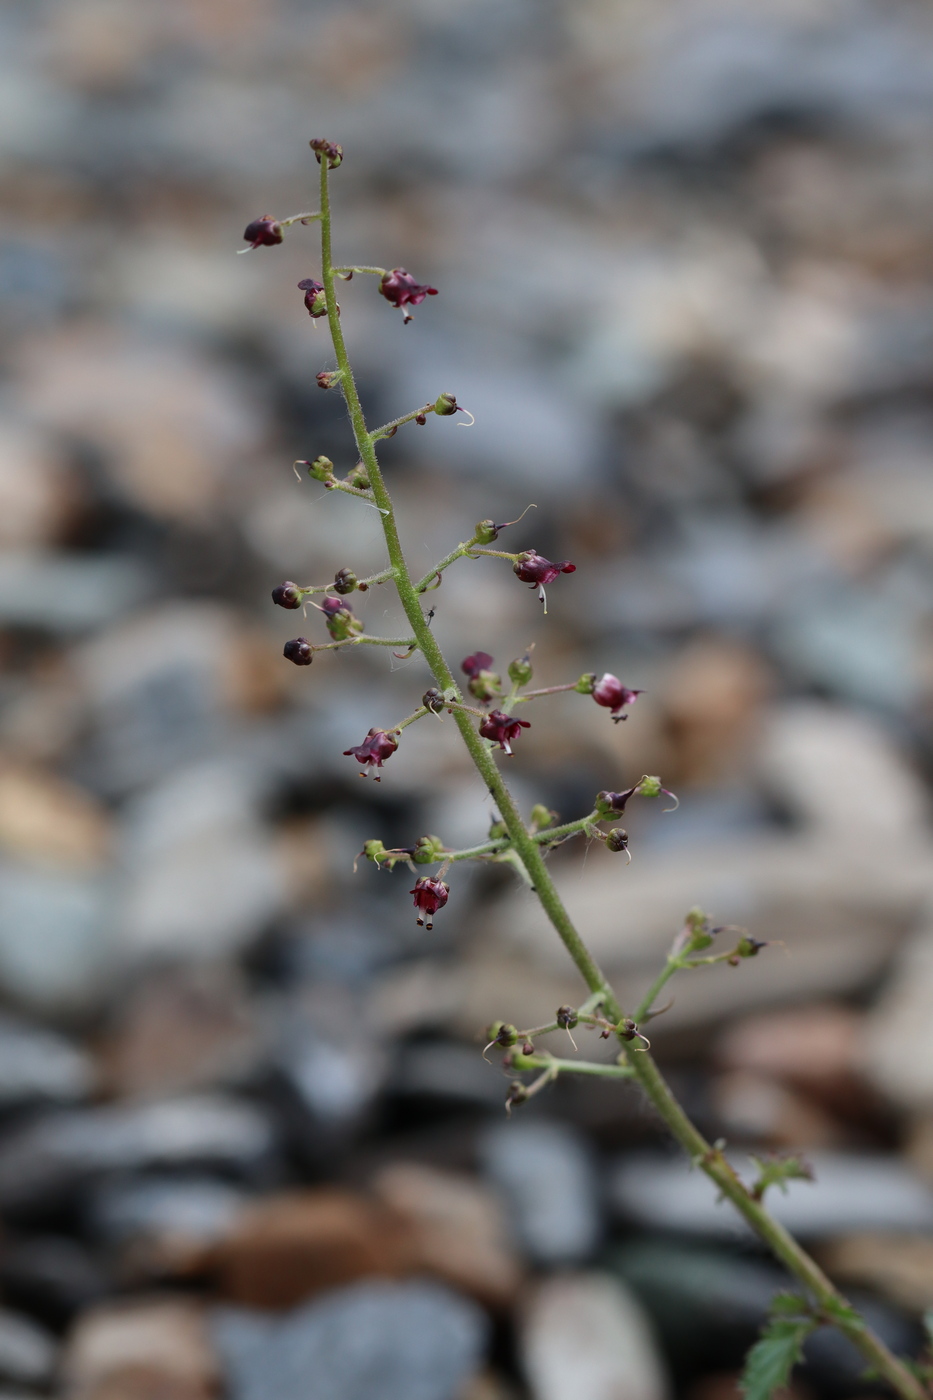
<point>62,1151</point>
<point>402,1341</point>
<point>898,1266</point>
<point>284,1249</point>
<point>458,1227</point>
<point>39,1065</point>
<point>544,1172</point>
<point>851,1191</point>
<point>586,1334</point>
<point>141,1349</point>
<point>27,1352</point>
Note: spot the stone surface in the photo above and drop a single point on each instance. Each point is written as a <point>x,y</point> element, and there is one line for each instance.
<point>402,1341</point>
<point>546,1176</point>
<point>459,1230</point>
<point>898,1266</point>
<point>45,819</point>
<point>585,1334</point>
<point>850,1192</point>
<point>141,1349</point>
<point>27,1352</point>
<point>37,1065</point>
<point>45,1161</point>
<point>56,936</point>
<point>286,1248</point>
<point>900,1027</point>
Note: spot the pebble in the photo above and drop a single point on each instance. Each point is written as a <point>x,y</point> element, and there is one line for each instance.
<point>402,1341</point>
<point>546,1176</point>
<point>145,1347</point>
<point>586,1334</point>
<point>851,1191</point>
<point>28,1353</point>
<point>39,1065</point>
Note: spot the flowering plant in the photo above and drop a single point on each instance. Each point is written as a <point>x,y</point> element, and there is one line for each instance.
<point>490,727</point>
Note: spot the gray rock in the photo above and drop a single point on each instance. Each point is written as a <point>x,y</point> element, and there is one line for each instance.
<point>54,936</point>
<point>51,1157</point>
<point>65,594</point>
<point>544,1172</point>
<point>586,1335</point>
<point>27,1352</point>
<point>191,1208</point>
<point>38,1064</point>
<point>850,1192</point>
<point>407,1341</point>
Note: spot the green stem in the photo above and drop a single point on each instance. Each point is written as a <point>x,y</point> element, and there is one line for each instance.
<point>670,967</point>
<point>520,1063</point>
<point>459,553</point>
<point>532,859</point>
<point>388,429</point>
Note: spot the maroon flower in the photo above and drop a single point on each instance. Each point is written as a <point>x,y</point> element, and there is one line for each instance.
<point>287,595</point>
<point>479,661</point>
<point>502,729</point>
<point>326,378</point>
<point>532,567</point>
<point>401,289</point>
<point>265,232</point>
<point>374,750</point>
<point>299,650</point>
<point>430,895</point>
<point>315,301</point>
<point>613,695</point>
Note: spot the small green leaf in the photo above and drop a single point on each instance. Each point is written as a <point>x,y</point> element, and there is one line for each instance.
<point>773,1357</point>
<point>790,1305</point>
<point>778,1171</point>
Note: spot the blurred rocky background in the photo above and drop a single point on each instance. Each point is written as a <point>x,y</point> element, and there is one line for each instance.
<point>248,1146</point>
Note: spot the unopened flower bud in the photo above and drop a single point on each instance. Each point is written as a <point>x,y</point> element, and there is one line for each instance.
<point>497,830</point>
<point>299,650</point>
<point>264,232</point>
<point>430,895</point>
<point>287,595</point>
<point>566,1017</point>
<point>517,1094</point>
<point>586,684</point>
<point>613,695</point>
<point>503,1034</point>
<point>374,850</point>
<point>520,670</point>
<point>528,1048</point>
<point>649,787</point>
<point>359,477</point>
<point>427,850</point>
<point>327,378</point>
<point>342,622</point>
<point>421,419</point>
<point>749,947</point>
<point>542,817</point>
<point>322,468</point>
<point>628,1029</point>
<point>486,530</point>
<point>401,290</point>
<point>345,581</point>
<point>330,149</point>
<point>617,839</point>
<point>612,804</point>
<point>444,406</point>
<point>433,700</point>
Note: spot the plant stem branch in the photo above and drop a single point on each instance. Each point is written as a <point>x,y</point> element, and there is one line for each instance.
<point>528,851</point>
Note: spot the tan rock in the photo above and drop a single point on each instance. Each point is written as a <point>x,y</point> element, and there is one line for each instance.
<point>147,1349</point>
<point>811,1045</point>
<point>753,1106</point>
<point>898,1266</point>
<point>458,1227</point>
<point>43,817</point>
<point>291,1246</point>
<point>711,700</point>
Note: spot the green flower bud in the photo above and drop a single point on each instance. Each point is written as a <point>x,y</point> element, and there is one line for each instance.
<point>749,947</point>
<point>345,581</point>
<point>428,850</point>
<point>485,686</point>
<point>520,670</point>
<point>542,817</point>
<point>446,405</point>
<point>617,839</point>
<point>497,831</point>
<point>566,1017</point>
<point>501,1033</point>
<point>649,787</point>
<point>358,477</point>
<point>486,532</point>
<point>322,469</point>
<point>586,684</point>
<point>374,851</point>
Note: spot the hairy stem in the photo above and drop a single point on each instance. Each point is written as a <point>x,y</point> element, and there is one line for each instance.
<point>527,849</point>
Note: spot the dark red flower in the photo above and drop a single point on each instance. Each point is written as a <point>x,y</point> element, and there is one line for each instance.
<point>532,567</point>
<point>264,232</point>
<point>479,661</point>
<point>342,621</point>
<point>326,378</point>
<point>374,750</point>
<point>502,729</point>
<point>299,650</point>
<point>430,895</point>
<point>315,300</point>
<point>401,289</point>
<point>613,695</point>
<point>287,595</point>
